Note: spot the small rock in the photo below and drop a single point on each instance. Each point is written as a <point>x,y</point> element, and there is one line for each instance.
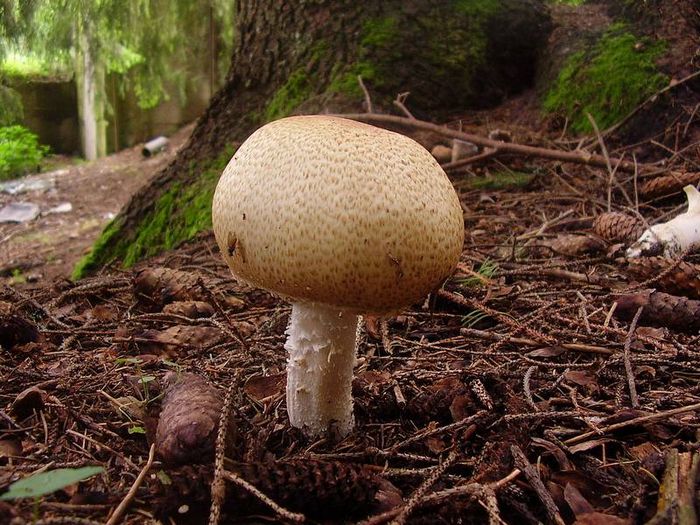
<point>441,153</point>
<point>19,212</point>
<point>15,187</point>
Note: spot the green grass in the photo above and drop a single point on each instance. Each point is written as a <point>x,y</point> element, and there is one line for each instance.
<point>609,82</point>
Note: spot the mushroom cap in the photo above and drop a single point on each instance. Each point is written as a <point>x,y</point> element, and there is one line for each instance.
<point>329,210</point>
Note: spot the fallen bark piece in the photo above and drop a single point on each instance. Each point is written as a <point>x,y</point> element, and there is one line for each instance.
<point>667,185</point>
<point>674,237</point>
<point>682,279</point>
<point>156,287</point>
<point>573,245</point>
<point>318,489</point>
<point>171,340</point>
<point>15,330</point>
<point>660,309</point>
<point>618,227</point>
<point>676,502</point>
<point>189,420</point>
<point>191,309</point>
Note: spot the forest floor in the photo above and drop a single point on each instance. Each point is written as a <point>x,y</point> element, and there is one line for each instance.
<point>523,394</point>
<point>47,248</point>
<point>532,389</point>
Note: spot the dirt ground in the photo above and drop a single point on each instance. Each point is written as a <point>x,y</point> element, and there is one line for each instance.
<point>48,247</point>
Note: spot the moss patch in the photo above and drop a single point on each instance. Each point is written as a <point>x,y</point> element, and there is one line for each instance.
<point>288,97</point>
<point>501,180</point>
<point>178,215</point>
<point>608,82</point>
<point>379,44</point>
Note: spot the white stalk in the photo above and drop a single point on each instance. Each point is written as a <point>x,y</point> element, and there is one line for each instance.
<point>673,237</point>
<point>321,343</point>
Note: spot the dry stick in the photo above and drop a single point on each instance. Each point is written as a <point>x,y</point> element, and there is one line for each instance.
<point>417,496</point>
<point>503,318</point>
<point>368,99</point>
<point>632,422</point>
<point>526,388</point>
<point>121,509</point>
<point>533,478</point>
<point>432,431</point>
<point>470,489</point>
<point>281,511</point>
<point>578,157</point>
<point>400,103</point>
<point>469,160</point>
<point>218,488</point>
<point>628,363</point>
<point>574,347</point>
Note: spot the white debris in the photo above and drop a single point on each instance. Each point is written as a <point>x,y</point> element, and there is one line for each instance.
<point>64,207</point>
<point>674,237</point>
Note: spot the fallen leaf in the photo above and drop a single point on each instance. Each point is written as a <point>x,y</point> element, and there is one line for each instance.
<point>547,351</point>
<point>262,387</point>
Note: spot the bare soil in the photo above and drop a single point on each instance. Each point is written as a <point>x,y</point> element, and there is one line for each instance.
<point>48,247</point>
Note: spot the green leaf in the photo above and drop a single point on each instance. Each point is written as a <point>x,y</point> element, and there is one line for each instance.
<point>146,379</point>
<point>136,430</point>
<point>48,482</point>
<point>164,478</point>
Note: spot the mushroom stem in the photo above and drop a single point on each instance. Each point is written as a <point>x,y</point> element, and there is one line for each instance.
<point>321,342</point>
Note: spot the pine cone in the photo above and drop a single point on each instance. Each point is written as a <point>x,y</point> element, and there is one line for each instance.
<point>667,185</point>
<point>683,279</point>
<point>618,227</point>
<point>315,488</point>
<point>661,309</point>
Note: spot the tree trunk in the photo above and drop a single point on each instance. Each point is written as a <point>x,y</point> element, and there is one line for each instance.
<point>305,57</point>
<point>90,83</point>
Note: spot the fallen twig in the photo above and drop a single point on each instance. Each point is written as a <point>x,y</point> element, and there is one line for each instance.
<point>577,156</point>
<point>121,509</point>
<point>533,478</point>
<point>631,422</point>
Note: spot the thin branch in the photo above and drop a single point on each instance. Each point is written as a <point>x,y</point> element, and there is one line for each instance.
<point>121,509</point>
<point>576,156</point>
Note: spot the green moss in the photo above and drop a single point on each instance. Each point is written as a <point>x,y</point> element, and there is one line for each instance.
<point>288,97</point>
<point>95,259</point>
<point>501,180</point>
<point>608,82</point>
<point>178,215</point>
<point>379,46</point>
<point>379,32</point>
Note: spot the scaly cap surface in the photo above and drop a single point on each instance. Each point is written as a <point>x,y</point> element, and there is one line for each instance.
<point>329,210</point>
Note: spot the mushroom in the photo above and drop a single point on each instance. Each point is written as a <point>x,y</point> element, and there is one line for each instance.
<point>342,219</point>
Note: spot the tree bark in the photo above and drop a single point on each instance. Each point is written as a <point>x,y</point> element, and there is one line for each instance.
<point>305,56</point>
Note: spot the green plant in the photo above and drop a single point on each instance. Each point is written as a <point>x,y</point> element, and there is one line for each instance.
<point>47,482</point>
<point>486,271</point>
<point>20,152</point>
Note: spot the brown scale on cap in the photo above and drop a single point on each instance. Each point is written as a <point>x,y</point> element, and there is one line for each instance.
<point>328,210</point>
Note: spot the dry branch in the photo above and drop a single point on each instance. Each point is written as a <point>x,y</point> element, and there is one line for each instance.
<point>577,156</point>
